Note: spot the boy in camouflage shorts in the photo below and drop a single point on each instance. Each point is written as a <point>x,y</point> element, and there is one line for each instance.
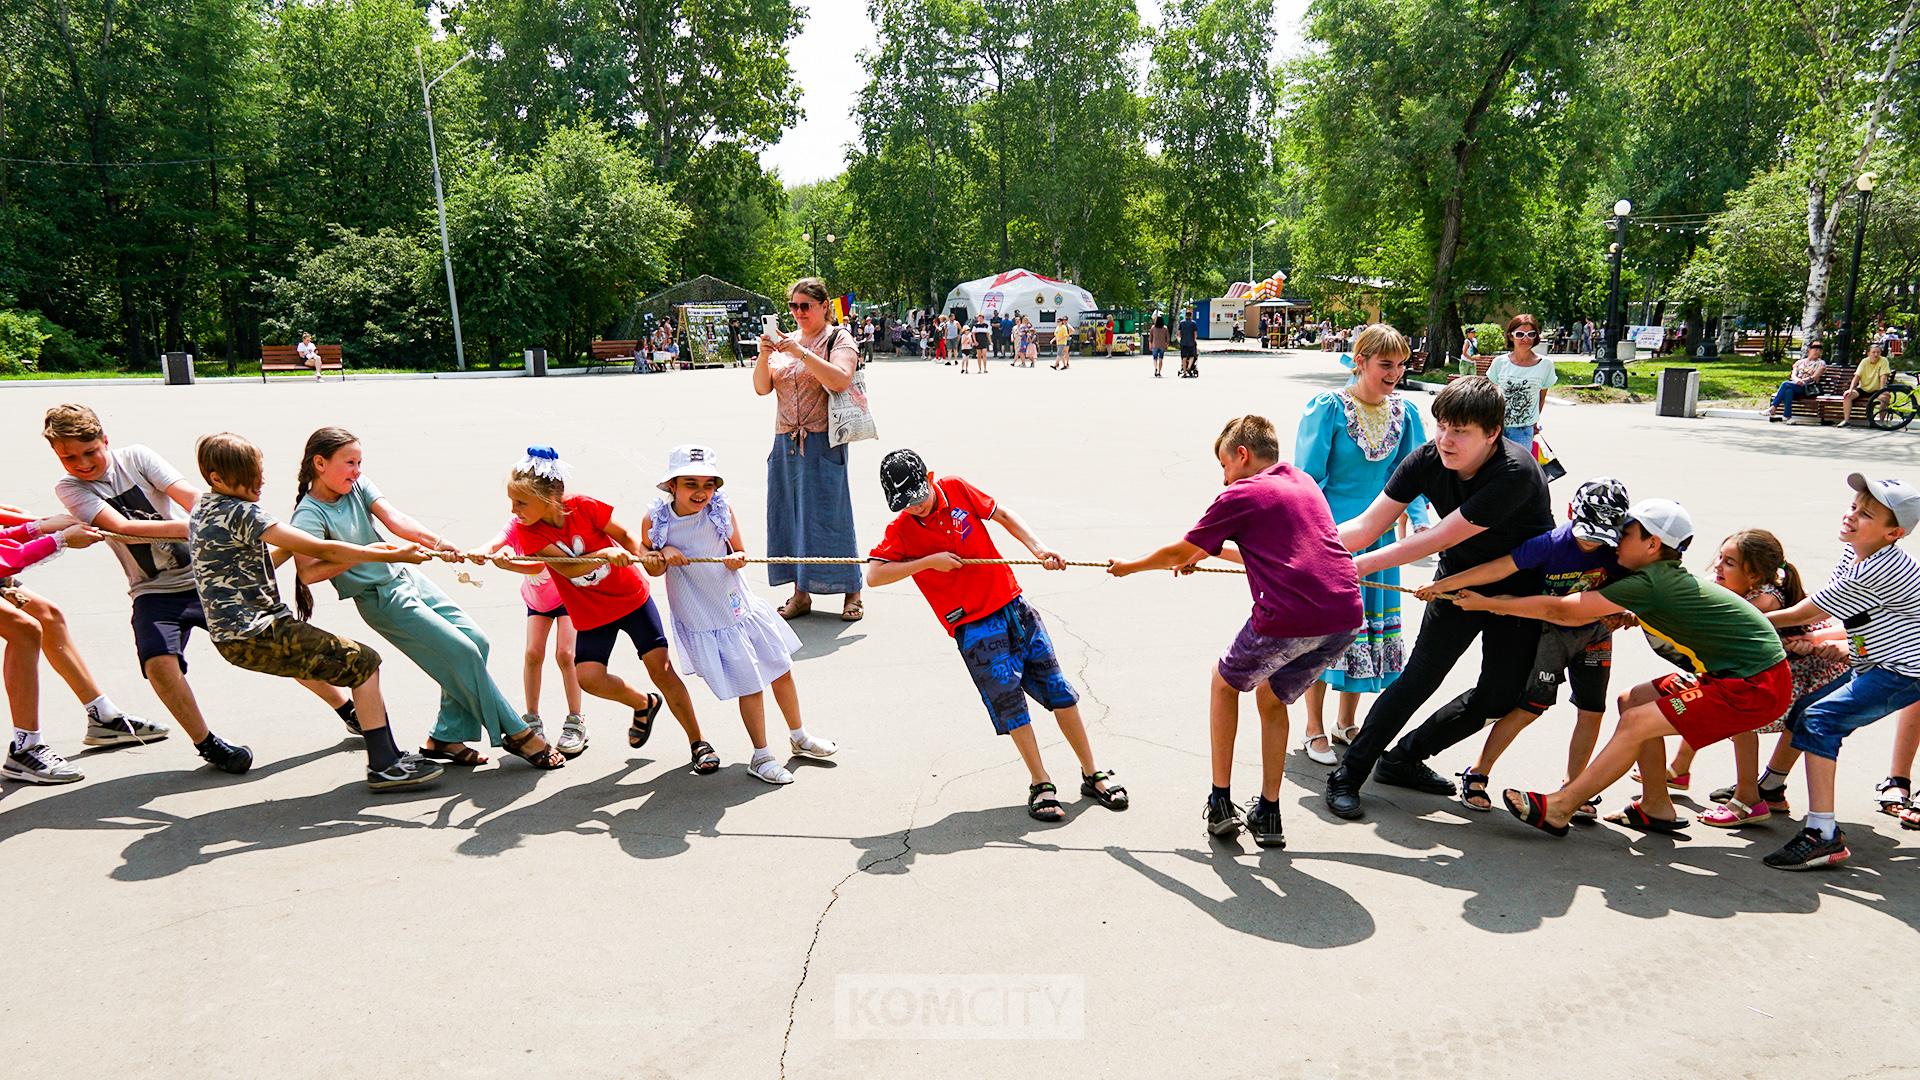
<point>250,626</point>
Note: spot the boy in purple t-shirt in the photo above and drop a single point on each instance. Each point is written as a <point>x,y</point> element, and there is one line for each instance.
<point>1579,555</point>
<point>1306,607</point>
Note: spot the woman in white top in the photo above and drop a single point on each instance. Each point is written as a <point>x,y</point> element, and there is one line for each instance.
<point>309,354</point>
<point>1523,376</point>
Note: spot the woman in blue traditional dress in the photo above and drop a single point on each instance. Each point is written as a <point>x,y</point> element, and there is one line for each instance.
<point>1350,440</point>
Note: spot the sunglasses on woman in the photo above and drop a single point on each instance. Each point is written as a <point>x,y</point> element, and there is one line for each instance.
<point>799,305</point>
<point>1526,333</point>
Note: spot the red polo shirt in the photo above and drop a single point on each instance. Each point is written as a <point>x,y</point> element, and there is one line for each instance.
<point>957,523</point>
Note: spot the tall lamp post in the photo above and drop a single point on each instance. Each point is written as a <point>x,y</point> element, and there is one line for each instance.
<point>1611,369</point>
<point>1255,235</point>
<point>1843,351</point>
<point>440,199</point>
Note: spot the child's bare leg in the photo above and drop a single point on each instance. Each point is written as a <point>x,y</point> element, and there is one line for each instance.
<point>787,696</point>
<point>1273,740</point>
<point>56,643</point>
<point>1640,722</point>
<point>1075,732</point>
<point>595,679</point>
<point>753,713</point>
<point>1682,759</point>
<point>1586,735</point>
<point>1316,709</point>
<point>563,656</point>
<point>1784,755</point>
<point>1654,798</point>
<point>21,667</point>
<point>1349,710</point>
<point>169,682</point>
<point>1223,722</point>
<point>667,681</point>
<point>1906,740</point>
<point>1499,737</point>
<point>534,661</point>
<point>1029,747</point>
<point>1746,767</point>
<point>333,696</point>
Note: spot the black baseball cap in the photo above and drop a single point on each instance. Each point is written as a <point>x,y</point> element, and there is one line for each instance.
<point>903,476</point>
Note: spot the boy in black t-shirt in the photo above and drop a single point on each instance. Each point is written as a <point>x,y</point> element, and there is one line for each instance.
<point>1491,497</point>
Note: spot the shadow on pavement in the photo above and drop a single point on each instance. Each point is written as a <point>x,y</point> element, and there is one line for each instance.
<point>823,634</point>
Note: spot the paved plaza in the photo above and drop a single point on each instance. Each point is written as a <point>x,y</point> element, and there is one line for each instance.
<point>894,912</point>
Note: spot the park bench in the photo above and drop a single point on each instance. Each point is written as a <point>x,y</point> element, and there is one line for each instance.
<point>287,358</point>
<point>1833,388</point>
<point>603,354</point>
<point>1480,366</point>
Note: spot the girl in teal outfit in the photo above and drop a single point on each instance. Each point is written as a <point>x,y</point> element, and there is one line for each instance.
<point>405,606</point>
<point>1350,440</point>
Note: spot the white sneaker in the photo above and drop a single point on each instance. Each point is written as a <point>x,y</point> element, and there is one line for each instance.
<point>1320,757</point>
<point>813,747</point>
<point>123,730</point>
<point>39,764</point>
<point>769,770</point>
<point>573,736</point>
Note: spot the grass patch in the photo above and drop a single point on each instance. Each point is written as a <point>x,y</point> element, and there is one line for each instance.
<point>1742,378</point>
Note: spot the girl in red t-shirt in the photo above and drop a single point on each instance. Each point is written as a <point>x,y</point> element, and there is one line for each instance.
<point>605,599</point>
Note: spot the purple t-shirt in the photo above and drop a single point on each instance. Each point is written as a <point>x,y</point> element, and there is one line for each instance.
<point>1564,568</point>
<point>1302,578</point>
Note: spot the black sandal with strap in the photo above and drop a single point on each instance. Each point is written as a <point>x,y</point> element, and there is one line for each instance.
<point>465,756</point>
<point>1532,809</point>
<point>1473,786</point>
<point>641,729</point>
<point>544,758</point>
<point>706,760</point>
<point>1113,798</point>
<point>1042,806</point>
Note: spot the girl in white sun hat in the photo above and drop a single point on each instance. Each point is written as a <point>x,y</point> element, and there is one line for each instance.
<point>727,635</point>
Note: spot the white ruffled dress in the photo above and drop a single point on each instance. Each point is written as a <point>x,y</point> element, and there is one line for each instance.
<point>728,636</point>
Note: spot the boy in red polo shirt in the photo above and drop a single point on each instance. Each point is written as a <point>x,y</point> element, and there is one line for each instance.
<point>942,522</point>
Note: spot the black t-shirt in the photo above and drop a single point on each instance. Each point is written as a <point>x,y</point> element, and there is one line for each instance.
<point>1189,335</point>
<point>1507,497</point>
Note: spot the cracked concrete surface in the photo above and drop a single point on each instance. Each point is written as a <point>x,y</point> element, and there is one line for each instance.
<point>623,917</point>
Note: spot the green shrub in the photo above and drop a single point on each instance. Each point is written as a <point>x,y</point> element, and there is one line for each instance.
<point>65,351</point>
<point>21,335</point>
<point>1492,339</point>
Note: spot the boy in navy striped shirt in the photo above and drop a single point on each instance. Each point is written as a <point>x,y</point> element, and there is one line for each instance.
<point>1875,594</point>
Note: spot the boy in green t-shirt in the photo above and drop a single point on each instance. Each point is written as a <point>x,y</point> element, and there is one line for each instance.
<point>1746,680</point>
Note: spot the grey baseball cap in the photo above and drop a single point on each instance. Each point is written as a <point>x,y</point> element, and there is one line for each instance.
<point>1896,495</point>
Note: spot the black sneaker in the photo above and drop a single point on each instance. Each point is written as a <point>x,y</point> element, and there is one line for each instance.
<point>225,756</point>
<point>1343,794</point>
<point>411,770</point>
<point>1411,774</point>
<point>1223,818</point>
<point>1807,851</point>
<point>1265,825</point>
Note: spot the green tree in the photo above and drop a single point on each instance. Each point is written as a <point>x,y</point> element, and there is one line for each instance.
<point>376,294</point>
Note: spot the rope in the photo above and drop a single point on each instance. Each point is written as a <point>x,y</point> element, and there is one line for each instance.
<point>787,560</point>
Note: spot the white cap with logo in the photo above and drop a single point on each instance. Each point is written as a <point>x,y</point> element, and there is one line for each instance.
<point>1665,520</point>
<point>1896,495</point>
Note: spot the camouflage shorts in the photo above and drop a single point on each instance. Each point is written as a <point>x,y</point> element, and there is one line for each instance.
<point>299,650</point>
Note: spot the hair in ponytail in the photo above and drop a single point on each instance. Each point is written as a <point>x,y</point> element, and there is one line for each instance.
<point>323,444</point>
<point>1762,555</point>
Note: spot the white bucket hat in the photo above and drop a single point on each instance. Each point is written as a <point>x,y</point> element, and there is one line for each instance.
<point>691,459</point>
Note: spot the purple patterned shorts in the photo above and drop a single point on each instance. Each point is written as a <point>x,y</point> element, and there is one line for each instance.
<point>1288,665</point>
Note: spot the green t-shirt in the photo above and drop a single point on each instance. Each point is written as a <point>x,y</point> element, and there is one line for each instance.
<point>1718,632</point>
<point>348,519</point>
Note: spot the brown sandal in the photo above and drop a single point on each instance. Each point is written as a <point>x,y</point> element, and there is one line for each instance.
<point>544,758</point>
<point>796,607</point>
<point>467,756</point>
<point>853,610</point>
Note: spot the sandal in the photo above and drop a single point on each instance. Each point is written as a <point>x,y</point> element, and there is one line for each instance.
<point>706,760</point>
<point>1910,817</point>
<point>1113,798</point>
<point>1344,735</point>
<point>1733,813</point>
<point>641,729</point>
<point>796,607</point>
<point>465,756</point>
<point>1680,782</point>
<point>1531,807</point>
<point>1042,806</point>
<point>852,611</point>
<point>1473,786</point>
<point>544,758</point>
<point>1635,818</point>
<point>1588,812</point>
<point>1893,794</point>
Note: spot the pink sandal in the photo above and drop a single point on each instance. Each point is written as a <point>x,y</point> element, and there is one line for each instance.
<point>1733,813</point>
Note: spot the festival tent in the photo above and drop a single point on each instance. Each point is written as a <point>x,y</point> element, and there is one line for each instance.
<point>1020,292</point>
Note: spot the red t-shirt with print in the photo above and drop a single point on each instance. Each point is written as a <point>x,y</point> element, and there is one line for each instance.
<point>957,523</point>
<point>605,594</point>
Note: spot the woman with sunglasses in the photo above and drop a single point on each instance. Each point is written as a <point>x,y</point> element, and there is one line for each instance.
<point>1523,376</point>
<point>809,507</point>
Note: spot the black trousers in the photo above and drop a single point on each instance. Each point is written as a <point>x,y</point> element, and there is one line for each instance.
<point>1507,646</point>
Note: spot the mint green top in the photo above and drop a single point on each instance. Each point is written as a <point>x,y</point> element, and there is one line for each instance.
<point>348,519</point>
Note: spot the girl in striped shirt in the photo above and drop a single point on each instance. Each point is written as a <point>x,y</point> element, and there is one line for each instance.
<point>727,635</point>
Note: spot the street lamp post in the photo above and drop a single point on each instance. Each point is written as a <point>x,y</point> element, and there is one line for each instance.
<point>1611,369</point>
<point>440,199</point>
<point>1843,350</point>
<point>1255,235</point>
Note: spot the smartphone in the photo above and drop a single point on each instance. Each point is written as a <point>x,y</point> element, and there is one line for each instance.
<point>770,325</point>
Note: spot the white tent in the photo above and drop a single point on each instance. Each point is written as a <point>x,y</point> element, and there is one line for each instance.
<point>1021,292</point>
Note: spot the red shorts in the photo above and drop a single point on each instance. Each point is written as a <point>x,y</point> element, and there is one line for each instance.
<point>1711,708</point>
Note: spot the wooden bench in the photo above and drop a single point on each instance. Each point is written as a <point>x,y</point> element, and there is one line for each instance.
<point>1758,344</point>
<point>603,354</point>
<point>287,358</point>
<point>1481,364</point>
<point>1833,388</point>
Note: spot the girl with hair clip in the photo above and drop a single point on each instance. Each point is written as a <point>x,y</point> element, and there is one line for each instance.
<point>334,501</point>
<point>605,597</point>
<point>1753,564</point>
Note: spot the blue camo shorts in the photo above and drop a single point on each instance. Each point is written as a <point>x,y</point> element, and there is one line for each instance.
<point>1011,658</point>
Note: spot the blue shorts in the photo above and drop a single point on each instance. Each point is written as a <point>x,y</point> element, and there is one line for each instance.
<point>162,623</point>
<point>642,625</point>
<point>1011,658</point>
<point>1823,717</point>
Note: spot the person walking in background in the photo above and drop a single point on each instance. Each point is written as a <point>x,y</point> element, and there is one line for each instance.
<point>1189,346</point>
<point>1157,340</point>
